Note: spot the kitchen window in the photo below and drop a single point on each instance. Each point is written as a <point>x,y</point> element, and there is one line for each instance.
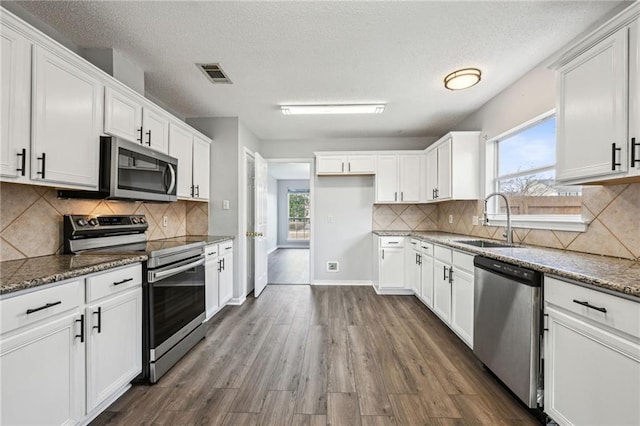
<point>522,165</point>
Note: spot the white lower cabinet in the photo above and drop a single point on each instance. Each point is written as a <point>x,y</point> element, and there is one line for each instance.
<point>591,357</point>
<point>225,270</point>
<point>426,273</point>
<point>390,266</point>
<point>212,280</point>
<point>462,296</point>
<point>62,361</point>
<point>414,265</point>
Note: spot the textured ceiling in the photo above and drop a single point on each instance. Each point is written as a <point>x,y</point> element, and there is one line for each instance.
<point>326,52</point>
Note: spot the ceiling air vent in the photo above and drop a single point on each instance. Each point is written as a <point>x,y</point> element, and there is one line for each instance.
<point>214,73</point>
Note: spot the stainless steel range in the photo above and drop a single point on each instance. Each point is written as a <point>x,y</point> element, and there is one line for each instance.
<point>173,289</point>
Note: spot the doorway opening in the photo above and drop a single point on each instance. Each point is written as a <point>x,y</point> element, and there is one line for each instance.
<point>289,230</point>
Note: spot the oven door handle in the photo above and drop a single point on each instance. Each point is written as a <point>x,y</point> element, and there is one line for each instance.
<point>160,275</point>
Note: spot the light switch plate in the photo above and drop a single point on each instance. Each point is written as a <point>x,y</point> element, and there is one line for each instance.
<point>450,218</point>
<point>225,204</point>
<point>475,220</point>
<point>165,221</point>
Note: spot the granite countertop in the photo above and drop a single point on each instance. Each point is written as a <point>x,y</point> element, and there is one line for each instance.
<point>619,275</point>
<point>32,272</point>
<point>208,239</point>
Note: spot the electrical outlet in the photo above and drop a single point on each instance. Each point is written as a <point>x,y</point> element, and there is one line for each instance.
<point>225,204</point>
<point>475,220</point>
<point>450,218</point>
<point>165,221</point>
<point>332,266</point>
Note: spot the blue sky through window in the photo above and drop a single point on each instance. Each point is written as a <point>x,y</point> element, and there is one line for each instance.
<point>532,148</point>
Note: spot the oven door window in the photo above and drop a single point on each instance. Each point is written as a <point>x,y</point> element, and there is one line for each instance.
<point>176,301</point>
<point>142,173</point>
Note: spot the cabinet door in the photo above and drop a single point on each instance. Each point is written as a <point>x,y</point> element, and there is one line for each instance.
<point>592,99</point>
<point>330,165</point>
<point>43,374</point>
<point>211,286</point>
<point>427,280</point>
<point>442,291</point>
<point>122,116</point>
<point>432,174</point>
<point>114,339</point>
<point>181,146</point>
<point>156,130</point>
<point>387,179</point>
<point>591,376</point>
<point>444,171</point>
<point>226,278</point>
<point>16,103</point>
<point>462,305</point>
<point>201,168</point>
<point>392,268</point>
<point>409,175</point>
<point>67,122</point>
<point>634,98</point>
<point>361,164</point>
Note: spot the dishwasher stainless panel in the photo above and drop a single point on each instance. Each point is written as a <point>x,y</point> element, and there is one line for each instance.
<point>507,321</point>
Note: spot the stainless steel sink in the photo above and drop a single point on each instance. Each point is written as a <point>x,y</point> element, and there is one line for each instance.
<point>485,244</point>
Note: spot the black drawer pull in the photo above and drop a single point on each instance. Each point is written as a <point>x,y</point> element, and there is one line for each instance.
<point>590,306</point>
<point>140,140</point>
<point>44,162</point>
<point>126,280</point>
<point>81,335</point>
<point>228,248</point>
<point>99,326</point>
<point>633,153</point>
<point>23,161</point>
<point>614,164</point>
<point>450,275</point>
<point>149,134</point>
<point>48,305</point>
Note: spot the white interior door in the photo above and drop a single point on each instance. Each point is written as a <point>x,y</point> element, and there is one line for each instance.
<point>260,221</point>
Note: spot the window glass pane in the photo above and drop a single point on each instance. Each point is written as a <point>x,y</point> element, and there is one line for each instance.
<point>299,223</point>
<point>532,148</point>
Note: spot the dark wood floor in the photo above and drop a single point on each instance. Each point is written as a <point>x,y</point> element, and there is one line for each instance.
<point>289,266</point>
<point>303,355</point>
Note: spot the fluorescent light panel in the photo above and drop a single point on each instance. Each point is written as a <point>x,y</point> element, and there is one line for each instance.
<point>332,109</point>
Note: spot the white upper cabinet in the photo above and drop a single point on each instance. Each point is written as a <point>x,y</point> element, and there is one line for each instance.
<point>597,83</point>
<point>67,121</point>
<point>453,167</point>
<point>398,178</point>
<point>16,104</point>
<point>344,164</point>
<point>122,116</point>
<point>192,152</point>
<point>155,130</point>
<point>201,149</point>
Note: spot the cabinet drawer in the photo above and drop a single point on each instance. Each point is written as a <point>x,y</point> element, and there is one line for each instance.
<point>463,261</point>
<point>414,243</point>
<point>38,305</point>
<point>211,250</point>
<point>225,247</point>
<point>391,242</point>
<point>621,314</point>
<point>115,281</point>
<point>426,248</point>
<point>442,253</point>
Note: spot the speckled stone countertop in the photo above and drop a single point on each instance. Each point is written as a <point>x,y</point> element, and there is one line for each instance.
<point>611,273</point>
<point>209,239</point>
<point>22,274</point>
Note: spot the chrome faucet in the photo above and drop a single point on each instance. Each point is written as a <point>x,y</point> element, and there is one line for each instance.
<point>508,234</point>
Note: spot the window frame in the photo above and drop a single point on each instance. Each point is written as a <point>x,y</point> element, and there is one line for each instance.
<point>574,223</point>
<point>293,192</point>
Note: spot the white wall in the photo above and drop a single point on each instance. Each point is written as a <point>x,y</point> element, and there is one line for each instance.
<point>272,213</point>
<point>305,148</point>
<point>347,239</point>
<point>283,215</point>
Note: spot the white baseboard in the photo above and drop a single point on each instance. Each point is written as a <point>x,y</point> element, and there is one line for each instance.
<point>343,283</point>
<point>292,246</point>
<point>271,250</point>
<point>236,301</point>
<point>394,291</point>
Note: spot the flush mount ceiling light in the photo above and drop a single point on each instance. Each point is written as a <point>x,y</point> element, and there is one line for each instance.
<point>462,79</point>
<point>332,109</point>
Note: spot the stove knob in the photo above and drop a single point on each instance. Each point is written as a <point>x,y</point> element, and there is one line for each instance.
<point>143,220</point>
<point>81,222</point>
<point>134,220</point>
<point>93,221</point>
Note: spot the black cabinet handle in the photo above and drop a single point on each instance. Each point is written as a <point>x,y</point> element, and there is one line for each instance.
<point>44,162</point>
<point>149,134</point>
<point>140,139</point>
<point>126,280</point>
<point>382,254</point>
<point>444,272</point>
<point>450,275</point>
<point>198,191</point>
<point>48,305</point>
<point>220,265</point>
<point>588,305</point>
<point>437,193</point>
<point>99,326</point>
<point>81,335</point>
<point>349,166</point>
<point>419,259</point>
<point>401,195</point>
<point>613,156</point>
<point>23,161</point>
<point>634,145</point>
<point>193,191</point>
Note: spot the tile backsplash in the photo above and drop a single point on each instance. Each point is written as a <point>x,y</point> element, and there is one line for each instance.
<point>31,218</point>
<point>612,210</point>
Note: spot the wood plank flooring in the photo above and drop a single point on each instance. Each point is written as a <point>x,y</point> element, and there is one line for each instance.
<point>302,355</point>
<point>289,266</point>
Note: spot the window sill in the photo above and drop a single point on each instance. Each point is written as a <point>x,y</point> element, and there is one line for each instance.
<point>550,222</point>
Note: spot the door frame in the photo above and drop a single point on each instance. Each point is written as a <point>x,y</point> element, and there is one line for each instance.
<point>240,292</point>
<point>312,174</point>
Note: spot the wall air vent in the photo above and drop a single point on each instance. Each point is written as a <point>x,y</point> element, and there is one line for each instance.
<point>214,73</point>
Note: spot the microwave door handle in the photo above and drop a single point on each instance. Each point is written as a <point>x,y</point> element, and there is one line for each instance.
<point>173,178</point>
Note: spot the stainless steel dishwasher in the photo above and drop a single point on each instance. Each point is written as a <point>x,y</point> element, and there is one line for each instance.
<point>506,335</point>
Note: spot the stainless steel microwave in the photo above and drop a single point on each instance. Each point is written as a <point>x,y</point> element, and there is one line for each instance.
<point>130,171</point>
